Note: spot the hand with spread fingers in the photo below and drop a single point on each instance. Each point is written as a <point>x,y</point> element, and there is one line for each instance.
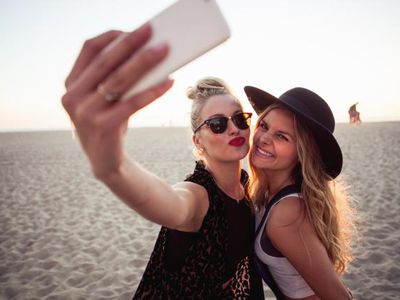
<point>107,67</point>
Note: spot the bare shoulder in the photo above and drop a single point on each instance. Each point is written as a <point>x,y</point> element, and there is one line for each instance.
<point>194,199</point>
<point>288,224</point>
<point>288,212</point>
<point>196,190</point>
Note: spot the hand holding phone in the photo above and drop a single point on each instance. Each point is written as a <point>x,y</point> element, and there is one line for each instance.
<point>190,28</point>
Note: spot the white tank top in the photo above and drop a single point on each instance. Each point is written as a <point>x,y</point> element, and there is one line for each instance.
<point>286,276</point>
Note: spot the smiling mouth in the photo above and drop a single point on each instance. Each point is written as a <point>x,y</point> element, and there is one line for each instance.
<point>263,154</point>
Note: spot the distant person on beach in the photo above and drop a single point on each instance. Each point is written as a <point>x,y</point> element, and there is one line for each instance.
<point>354,115</point>
<point>204,248</point>
<point>303,218</point>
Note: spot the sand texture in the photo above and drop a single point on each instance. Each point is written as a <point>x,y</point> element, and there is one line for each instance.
<point>63,235</point>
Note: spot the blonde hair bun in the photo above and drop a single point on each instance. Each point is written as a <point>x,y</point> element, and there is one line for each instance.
<point>207,87</point>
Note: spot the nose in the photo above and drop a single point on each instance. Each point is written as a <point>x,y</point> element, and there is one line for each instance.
<point>266,138</point>
<point>232,129</point>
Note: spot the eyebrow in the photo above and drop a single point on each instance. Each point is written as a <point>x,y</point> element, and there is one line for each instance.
<point>285,133</point>
<point>222,115</point>
<point>279,131</point>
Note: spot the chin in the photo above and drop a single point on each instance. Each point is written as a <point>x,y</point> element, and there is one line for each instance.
<point>243,154</point>
<point>257,162</point>
<point>234,157</point>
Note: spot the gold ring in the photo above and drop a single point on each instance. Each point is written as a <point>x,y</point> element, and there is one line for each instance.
<point>106,95</point>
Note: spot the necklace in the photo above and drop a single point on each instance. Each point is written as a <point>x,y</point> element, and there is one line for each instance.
<point>237,199</point>
<point>229,194</point>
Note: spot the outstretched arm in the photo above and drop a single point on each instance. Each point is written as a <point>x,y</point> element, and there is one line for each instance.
<point>107,67</point>
<point>182,206</point>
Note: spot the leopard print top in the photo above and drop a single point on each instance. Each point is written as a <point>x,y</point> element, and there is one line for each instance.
<point>202,274</point>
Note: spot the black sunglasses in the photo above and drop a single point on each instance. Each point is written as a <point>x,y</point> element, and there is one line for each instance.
<point>219,124</point>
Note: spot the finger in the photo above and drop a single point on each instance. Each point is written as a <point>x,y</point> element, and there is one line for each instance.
<point>91,48</point>
<point>112,57</point>
<point>124,77</point>
<point>122,110</point>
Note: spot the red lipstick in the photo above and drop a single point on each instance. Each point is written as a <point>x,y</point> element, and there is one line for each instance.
<point>237,141</point>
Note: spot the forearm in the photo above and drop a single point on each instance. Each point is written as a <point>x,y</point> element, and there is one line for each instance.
<point>147,194</point>
<point>335,291</point>
<point>106,69</point>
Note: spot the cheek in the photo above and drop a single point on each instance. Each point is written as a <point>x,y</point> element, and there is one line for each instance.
<point>215,138</point>
<point>213,141</point>
<point>256,136</point>
<point>246,134</point>
<point>292,154</point>
<point>286,151</point>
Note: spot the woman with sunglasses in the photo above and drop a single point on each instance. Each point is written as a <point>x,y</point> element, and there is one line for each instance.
<point>209,254</point>
<point>303,219</point>
<point>204,247</point>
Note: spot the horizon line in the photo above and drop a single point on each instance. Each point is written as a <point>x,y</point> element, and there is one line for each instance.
<point>22,130</point>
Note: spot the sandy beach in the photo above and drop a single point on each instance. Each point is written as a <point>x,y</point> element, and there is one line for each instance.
<point>63,235</point>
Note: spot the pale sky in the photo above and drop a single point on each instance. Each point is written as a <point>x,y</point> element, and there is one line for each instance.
<point>345,50</point>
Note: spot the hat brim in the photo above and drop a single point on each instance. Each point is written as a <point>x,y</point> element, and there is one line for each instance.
<point>259,99</point>
<point>331,153</point>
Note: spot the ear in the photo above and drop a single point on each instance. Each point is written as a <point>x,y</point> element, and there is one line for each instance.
<point>196,141</point>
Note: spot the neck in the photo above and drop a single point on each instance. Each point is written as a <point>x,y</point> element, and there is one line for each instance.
<point>277,181</point>
<point>227,177</point>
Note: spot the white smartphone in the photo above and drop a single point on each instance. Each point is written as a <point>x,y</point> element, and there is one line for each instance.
<point>191,28</point>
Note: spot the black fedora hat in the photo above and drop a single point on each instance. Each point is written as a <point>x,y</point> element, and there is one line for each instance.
<point>314,111</point>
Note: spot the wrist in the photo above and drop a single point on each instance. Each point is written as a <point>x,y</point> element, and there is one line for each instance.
<point>109,173</point>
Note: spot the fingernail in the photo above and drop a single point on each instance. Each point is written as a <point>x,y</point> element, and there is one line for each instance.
<point>143,29</point>
<point>160,48</point>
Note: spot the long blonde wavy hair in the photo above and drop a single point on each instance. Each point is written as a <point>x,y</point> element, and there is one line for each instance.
<point>326,203</point>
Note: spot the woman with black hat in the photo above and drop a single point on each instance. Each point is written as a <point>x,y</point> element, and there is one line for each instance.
<point>303,220</point>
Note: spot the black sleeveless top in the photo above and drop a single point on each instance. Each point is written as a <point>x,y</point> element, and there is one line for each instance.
<point>213,263</point>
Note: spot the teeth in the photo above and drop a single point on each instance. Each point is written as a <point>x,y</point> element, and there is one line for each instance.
<point>268,154</point>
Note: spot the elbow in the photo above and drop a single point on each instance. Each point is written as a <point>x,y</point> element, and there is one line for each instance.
<point>108,177</point>
<point>177,223</point>
<point>183,221</point>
